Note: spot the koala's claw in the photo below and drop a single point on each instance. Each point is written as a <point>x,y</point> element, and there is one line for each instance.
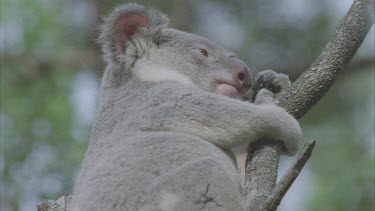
<point>267,81</point>
<point>264,96</point>
<point>272,81</point>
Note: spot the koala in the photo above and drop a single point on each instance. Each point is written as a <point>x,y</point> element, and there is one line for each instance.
<point>170,116</point>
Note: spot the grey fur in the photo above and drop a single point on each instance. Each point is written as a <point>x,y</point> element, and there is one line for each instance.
<point>160,142</point>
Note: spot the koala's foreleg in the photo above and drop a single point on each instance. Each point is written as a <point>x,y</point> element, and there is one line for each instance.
<point>221,120</point>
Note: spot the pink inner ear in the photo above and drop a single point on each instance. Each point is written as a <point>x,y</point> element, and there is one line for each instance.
<point>125,26</point>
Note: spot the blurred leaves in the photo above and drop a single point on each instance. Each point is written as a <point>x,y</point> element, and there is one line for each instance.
<point>36,113</point>
<point>344,160</point>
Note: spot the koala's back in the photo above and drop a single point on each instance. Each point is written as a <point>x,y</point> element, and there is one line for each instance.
<point>157,171</point>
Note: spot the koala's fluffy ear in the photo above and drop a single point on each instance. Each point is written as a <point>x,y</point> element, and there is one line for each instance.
<point>129,30</point>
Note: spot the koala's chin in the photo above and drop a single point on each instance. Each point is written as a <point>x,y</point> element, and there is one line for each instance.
<point>227,90</point>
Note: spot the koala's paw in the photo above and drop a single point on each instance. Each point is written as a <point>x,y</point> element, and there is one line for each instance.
<point>264,96</point>
<point>282,126</point>
<point>269,79</point>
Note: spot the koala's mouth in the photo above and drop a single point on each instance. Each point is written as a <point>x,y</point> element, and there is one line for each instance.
<point>230,88</point>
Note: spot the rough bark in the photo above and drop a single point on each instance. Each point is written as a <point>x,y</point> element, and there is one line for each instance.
<point>305,92</point>
<point>60,204</point>
<point>260,174</point>
<point>311,86</point>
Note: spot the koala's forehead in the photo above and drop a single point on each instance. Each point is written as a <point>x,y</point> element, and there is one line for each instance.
<point>176,37</point>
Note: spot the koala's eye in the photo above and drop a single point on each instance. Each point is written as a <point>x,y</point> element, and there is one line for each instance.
<point>203,51</point>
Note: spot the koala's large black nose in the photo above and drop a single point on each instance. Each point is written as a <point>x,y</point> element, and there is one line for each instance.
<point>240,75</point>
<point>241,72</point>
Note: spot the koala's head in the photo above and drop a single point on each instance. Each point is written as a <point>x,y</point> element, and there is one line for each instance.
<point>137,43</point>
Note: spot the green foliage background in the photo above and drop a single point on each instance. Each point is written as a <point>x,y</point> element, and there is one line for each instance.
<point>51,70</point>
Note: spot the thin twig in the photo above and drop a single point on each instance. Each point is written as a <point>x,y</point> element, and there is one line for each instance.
<point>291,174</point>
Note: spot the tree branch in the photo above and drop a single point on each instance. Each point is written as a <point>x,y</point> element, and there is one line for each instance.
<point>291,174</point>
<point>311,86</point>
<point>260,174</point>
<point>307,90</point>
<point>60,204</point>
<point>356,64</point>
